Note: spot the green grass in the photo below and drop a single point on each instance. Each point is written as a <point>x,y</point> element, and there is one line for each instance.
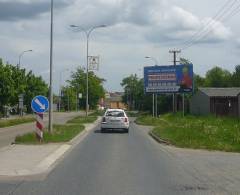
<point>82,120</point>
<point>12,122</point>
<point>197,132</point>
<point>61,133</point>
<point>97,113</point>
<point>136,113</point>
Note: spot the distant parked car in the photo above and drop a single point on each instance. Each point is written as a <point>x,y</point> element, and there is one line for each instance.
<point>115,119</point>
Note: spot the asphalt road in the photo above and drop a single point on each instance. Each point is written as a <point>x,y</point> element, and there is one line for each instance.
<point>8,134</point>
<point>118,164</point>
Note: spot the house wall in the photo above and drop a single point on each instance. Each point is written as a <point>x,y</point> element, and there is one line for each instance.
<point>200,104</point>
<point>224,106</point>
<point>117,105</point>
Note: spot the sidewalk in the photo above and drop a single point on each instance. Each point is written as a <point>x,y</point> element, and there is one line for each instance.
<point>29,160</point>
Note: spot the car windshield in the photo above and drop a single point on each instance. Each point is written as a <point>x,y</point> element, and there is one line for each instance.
<point>115,114</point>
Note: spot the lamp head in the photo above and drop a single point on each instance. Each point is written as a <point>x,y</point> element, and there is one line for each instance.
<point>73,26</point>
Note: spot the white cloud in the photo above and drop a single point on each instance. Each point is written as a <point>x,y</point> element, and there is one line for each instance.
<point>134,26</point>
<point>179,25</point>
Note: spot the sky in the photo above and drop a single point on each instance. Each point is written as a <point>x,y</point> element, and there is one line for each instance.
<point>134,29</point>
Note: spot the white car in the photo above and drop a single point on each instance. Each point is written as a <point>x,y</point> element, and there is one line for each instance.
<point>115,119</point>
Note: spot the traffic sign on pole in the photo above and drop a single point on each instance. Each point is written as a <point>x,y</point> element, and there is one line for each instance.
<point>40,104</point>
<point>93,62</point>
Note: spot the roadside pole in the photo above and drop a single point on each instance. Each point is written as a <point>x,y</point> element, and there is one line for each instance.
<point>183,104</point>
<point>39,126</point>
<point>153,105</point>
<point>156,102</point>
<point>50,123</point>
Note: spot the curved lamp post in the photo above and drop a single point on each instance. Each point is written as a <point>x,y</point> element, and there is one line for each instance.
<point>152,58</point>
<point>87,33</point>
<point>20,57</point>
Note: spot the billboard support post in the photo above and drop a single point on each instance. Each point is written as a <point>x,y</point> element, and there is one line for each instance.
<point>156,102</point>
<point>153,105</point>
<point>183,102</point>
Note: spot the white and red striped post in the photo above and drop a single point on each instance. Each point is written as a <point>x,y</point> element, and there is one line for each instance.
<point>39,126</point>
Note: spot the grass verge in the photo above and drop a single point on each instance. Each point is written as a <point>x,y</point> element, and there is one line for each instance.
<point>61,133</point>
<point>136,113</point>
<point>18,121</point>
<point>97,113</point>
<point>82,120</point>
<point>196,132</point>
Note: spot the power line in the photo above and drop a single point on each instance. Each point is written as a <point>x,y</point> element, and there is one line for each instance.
<point>197,33</point>
<point>234,12</point>
<point>227,14</point>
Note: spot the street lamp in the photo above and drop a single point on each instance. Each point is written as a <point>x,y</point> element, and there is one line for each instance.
<point>87,33</point>
<point>152,58</point>
<point>20,57</point>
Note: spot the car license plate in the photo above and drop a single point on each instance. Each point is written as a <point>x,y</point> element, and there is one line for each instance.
<point>115,121</point>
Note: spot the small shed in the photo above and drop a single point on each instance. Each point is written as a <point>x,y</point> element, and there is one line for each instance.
<point>217,101</point>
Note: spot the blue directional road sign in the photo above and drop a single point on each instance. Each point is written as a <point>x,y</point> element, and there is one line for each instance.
<point>40,104</point>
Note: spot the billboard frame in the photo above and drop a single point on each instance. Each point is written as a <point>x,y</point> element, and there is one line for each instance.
<point>169,79</point>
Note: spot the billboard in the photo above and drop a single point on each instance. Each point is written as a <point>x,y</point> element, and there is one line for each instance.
<point>168,79</point>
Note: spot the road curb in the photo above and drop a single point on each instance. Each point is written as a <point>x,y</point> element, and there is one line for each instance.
<point>87,127</point>
<point>58,155</point>
<point>48,164</point>
<point>159,140</point>
<point>54,158</point>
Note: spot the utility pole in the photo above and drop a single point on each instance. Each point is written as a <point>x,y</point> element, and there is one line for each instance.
<point>174,52</point>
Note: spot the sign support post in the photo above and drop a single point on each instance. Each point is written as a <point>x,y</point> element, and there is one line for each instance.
<point>39,126</point>
<point>39,105</point>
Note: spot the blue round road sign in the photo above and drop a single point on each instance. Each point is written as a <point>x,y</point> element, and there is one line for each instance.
<point>40,104</point>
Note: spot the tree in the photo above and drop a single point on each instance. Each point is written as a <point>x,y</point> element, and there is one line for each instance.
<point>34,86</point>
<point>198,81</point>
<point>6,85</point>
<point>95,87</point>
<point>15,81</point>
<point>131,87</point>
<point>19,81</point>
<point>236,77</point>
<point>184,61</point>
<point>69,99</point>
<point>217,77</point>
